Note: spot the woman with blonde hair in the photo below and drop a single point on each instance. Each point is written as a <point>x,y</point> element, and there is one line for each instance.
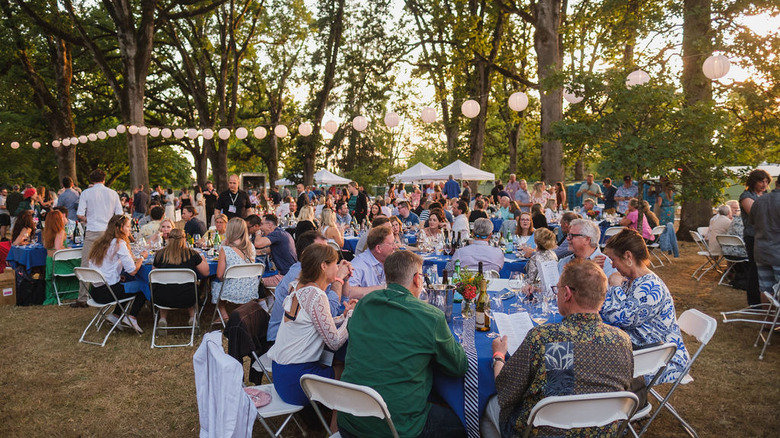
<point>545,252</point>
<point>306,220</point>
<point>539,195</point>
<point>161,237</point>
<point>329,228</point>
<point>111,254</point>
<point>236,249</point>
<point>176,254</point>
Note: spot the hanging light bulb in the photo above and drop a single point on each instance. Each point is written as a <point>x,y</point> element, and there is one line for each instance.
<point>56,143</point>
<point>132,130</point>
<point>92,137</point>
<point>36,145</point>
<point>178,133</point>
<point>112,132</point>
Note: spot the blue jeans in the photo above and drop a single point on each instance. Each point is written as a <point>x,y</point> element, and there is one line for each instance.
<point>442,422</point>
<point>138,215</point>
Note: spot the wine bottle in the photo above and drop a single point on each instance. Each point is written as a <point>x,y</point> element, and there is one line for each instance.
<point>77,234</point>
<point>483,303</point>
<point>445,281</point>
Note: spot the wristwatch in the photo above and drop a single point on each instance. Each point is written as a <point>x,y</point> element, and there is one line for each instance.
<point>496,359</point>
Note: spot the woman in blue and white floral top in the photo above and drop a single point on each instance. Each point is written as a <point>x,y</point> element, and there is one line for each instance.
<point>639,302</point>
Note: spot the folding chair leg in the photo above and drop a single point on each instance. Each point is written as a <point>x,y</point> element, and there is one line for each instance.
<point>720,282</point>
<point>684,423</point>
<point>278,433</point>
<point>101,317</point>
<point>653,252</point>
<point>769,336</point>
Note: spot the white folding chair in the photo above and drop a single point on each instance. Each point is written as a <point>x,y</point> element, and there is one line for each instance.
<point>263,365</point>
<point>357,400</point>
<point>650,362</point>
<point>60,257</point>
<point>609,232</point>
<point>773,304</point>
<point>334,245</point>
<point>702,327</point>
<point>655,247</point>
<point>90,277</point>
<point>584,410</point>
<point>185,278</point>
<point>736,242</point>
<point>247,270</point>
<point>710,263</point>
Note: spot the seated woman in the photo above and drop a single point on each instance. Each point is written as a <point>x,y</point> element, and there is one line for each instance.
<point>235,250</point>
<point>545,252</point>
<point>180,296</point>
<point>537,217</point>
<point>23,228</point>
<point>374,210</point>
<point>524,234</point>
<point>431,233</point>
<point>111,255</point>
<point>220,227</point>
<point>639,302</point>
<point>330,229</point>
<point>161,238</point>
<point>308,327</point>
<point>306,220</point>
<point>54,239</point>
<point>398,230</point>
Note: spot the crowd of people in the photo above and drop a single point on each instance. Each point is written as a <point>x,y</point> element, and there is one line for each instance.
<point>326,296</point>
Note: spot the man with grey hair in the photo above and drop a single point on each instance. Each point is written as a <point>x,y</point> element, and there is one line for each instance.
<point>583,238</point>
<point>479,250</point>
<point>719,224</point>
<point>383,320</point>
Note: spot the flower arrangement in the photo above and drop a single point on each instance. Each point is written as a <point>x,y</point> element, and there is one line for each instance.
<point>468,283</point>
<point>593,214</point>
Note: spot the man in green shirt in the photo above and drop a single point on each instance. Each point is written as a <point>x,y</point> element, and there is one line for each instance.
<point>395,341</point>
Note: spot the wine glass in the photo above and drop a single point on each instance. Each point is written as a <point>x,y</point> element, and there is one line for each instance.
<point>541,312</point>
<point>496,306</point>
<point>457,327</point>
<point>516,283</point>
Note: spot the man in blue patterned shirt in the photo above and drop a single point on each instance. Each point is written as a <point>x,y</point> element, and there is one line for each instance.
<point>580,355</point>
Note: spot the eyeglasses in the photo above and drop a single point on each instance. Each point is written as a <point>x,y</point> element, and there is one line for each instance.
<point>573,235</point>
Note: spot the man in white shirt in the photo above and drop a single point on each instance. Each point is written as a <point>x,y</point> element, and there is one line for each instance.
<point>368,273</point>
<point>460,225</point>
<point>583,237</point>
<point>97,205</point>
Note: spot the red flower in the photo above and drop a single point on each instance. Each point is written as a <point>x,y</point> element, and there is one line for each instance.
<point>470,292</point>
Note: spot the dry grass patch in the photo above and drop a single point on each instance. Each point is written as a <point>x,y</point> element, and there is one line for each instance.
<point>53,386</point>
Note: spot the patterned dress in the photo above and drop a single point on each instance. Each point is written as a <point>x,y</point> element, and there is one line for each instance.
<point>237,290</point>
<point>644,308</point>
<point>581,355</point>
<point>666,212</point>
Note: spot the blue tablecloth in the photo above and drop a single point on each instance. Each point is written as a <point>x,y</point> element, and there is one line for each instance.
<point>451,388</point>
<point>511,263</point>
<point>31,256</point>
<point>350,243</point>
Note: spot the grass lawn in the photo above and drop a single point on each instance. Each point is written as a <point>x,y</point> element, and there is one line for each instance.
<point>51,385</point>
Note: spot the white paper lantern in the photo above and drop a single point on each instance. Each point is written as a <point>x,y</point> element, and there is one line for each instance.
<point>166,133</point>
<point>360,123</point>
<point>82,139</point>
<point>208,134</point>
<point>92,137</point>
<point>154,132</point>
<point>305,129</point>
<point>66,142</point>
<point>572,97</point>
<point>132,130</point>
<point>260,132</point>
<point>112,132</point>
<point>55,143</point>
<point>241,133</point>
<point>143,130</point>
<point>14,145</point>
<point>74,140</point>
<point>280,131</point>
<point>392,120</point>
<point>121,128</point>
<point>224,133</point>
<point>36,145</point>
<point>428,115</point>
<point>101,135</point>
<point>470,108</point>
<point>192,133</point>
<point>716,66</point>
<point>331,127</point>
<point>638,77</point>
<point>178,133</point>
<point>518,101</point>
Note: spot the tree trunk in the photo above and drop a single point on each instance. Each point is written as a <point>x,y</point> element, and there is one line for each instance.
<point>579,170</point>
<point>136,144</point>
<point>697,46</point>
<point>514,138</point>
<point>477,137</point>
<point>273,160</point>
<point>546,44</point>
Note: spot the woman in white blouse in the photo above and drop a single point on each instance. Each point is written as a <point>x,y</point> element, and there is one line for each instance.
<point>307,327</point>
<point>110,255</point>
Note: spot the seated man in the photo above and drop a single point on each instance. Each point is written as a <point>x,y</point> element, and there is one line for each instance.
<point>368,274</point>
<point>156,214</point>
<point>379,220</point>
<point>343,218</point>
<point>589,209</point>
<point>563,243</point>
<point>279,243</point>
<point>562,359</point>
<point>583,238</point>
<point>408,217</point>
<point>334,290</point>
<point>460,225</point>
<point>402,376</point>
<point>193,225</point>
<point>479,250</point>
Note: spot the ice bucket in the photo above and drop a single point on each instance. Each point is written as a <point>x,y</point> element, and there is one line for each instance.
<point>440,296</point>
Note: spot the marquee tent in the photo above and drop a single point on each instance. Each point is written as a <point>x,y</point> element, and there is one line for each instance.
<point>326,177</point>
<point>459,170</point>
<point>412,174</point>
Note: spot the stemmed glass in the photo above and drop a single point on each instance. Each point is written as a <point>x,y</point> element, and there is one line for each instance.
<point>457,327</point>
<point>496,306</point>
<point>516,283</point>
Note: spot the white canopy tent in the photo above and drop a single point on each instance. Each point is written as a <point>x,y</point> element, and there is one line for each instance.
<point>283,182</point>
<point>459,170</point>
<point>412,174</point>
<point>326,177</point>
